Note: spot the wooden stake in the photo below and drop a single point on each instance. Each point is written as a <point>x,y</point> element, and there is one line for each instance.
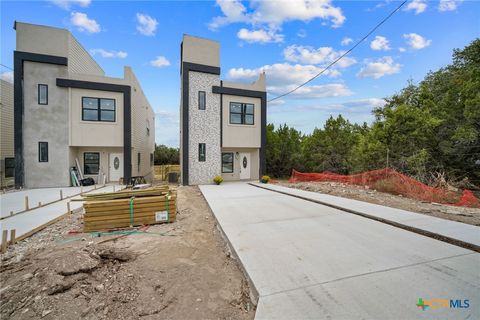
<point>61,194</point>
<point>12,236</point>
<point>68,207</point>
<point>94,187</point>
<point>11,213</point>
<point>39,204</point>
<point>81,189</point>
<point>114,188</point>
<point>4,240</point>
<point>26,202</point>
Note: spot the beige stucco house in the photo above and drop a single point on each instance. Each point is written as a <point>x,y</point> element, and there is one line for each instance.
<point>68,111</point>
<point>7,160</point>
<point>222,124</point>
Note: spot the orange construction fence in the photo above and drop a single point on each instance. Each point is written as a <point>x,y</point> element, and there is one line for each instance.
<point>391,181</point>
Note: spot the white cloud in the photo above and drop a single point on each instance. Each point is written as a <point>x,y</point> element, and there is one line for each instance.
<point>260,36</point>
<point>416,41</point>
<point>302,33</point>
<point>7,76</point>
<point>418,6</point>
<point>349,107</point>
<point>84,23</point>
<point>109,53</point>
<point>379,68</point>
<point>167,128</point>
<point>283,77</point>
<point>66,4</point>
<point>346,41</point>
<point>402,49</point>
<point>322,55</point>
<point>159,62</point>
<point>146,24</point>
<point>449,5</point>
<point>380,43</point>
<point>275,13</point>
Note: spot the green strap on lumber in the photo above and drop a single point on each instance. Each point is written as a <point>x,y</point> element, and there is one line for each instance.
<point>131,210</point>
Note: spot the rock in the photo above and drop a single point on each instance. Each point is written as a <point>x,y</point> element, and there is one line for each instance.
<point>79,263</point>
<point>100,287</point>
<point>114,254</point>
<point>27,276</point>
<point>60,287</point>
<point>46,312</point>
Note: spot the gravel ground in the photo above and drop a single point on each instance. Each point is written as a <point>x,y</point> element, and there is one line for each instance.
<point>460,214</point>
<point>181,270</point>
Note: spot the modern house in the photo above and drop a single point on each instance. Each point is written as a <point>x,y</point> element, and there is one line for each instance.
<point>7,160</point>
<point>69,114</point>
<point>222,124</point>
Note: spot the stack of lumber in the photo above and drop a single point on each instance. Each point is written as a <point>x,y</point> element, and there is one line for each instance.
<point>128,208</point>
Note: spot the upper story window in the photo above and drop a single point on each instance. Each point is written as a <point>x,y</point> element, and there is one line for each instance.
<point>202,100</point>
<point>43,152</point>
<point>242,113</point>
<point>43,94</point>
<point>202,152</point>
<point>98,109</point>
<point>148,128</point>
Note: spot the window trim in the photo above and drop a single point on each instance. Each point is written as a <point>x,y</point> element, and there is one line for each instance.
<point>233,162</point>
<point>41,85</point>
<point>84,162</point>
<point>40,143</point>
<point>242,114</point>
<point>5,167</point>
<point>204,152</point>
<point>204,100</point>
<point>99,109</point>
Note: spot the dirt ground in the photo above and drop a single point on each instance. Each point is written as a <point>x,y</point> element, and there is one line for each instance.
<point>181,270</point>
<point>460,214</point>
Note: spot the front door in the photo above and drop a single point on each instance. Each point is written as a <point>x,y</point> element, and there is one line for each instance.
<point>244,166</point>
<point>116,166</point>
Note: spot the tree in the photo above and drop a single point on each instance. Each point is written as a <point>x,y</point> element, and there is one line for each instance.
<point>166,155</point>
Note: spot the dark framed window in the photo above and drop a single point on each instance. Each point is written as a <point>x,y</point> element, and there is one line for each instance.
<point>202,100</point>
<point>43,152</point>
<point>91,162</point>
<point>98,109</point>
<point>9,167</point>
<point>227,162</point>
<point>242,113</point>
<point>43,94</point>
<point>202,152</point>
<point>138,161</point>
<point>151,159</point>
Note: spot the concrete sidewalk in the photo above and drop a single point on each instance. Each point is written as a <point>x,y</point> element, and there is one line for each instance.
<point>24,223</point>
<point>309,261</point>
<point>463,232</point>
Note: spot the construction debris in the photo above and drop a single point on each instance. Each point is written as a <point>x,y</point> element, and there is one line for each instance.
<point>129,208</point>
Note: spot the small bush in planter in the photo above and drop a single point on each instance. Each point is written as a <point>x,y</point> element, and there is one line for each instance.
<point>218,180</point>
<point>265,179</point>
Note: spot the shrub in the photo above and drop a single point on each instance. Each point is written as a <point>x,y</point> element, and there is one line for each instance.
<point>265,179</point>
<point>218,180</point>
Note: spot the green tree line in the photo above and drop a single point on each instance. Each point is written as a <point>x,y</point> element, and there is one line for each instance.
<point>166,155</point>
<point>429,127</point>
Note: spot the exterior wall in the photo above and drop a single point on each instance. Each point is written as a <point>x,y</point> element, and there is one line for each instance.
<point>240,135</point>
<point>47,123</point>
<point>41,39</point>
<point>95,133</point>
<point>204,127</point>
<point>6,130</point>
<point>79,61</point>
<point>254,163</point>
<point>201,51</point>
<point>142,142</point>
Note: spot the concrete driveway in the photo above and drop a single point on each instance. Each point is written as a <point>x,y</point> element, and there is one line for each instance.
<point>309,261</point>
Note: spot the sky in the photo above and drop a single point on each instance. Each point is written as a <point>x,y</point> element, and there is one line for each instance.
<point>291,41</point>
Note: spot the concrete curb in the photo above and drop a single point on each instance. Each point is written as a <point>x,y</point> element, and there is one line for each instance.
<point>437,236</point>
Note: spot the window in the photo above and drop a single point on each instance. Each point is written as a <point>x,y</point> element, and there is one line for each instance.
<point>98,109</point>
<point>241,113</point>
<point>43,152</point>
<point>227,162</point>
<point>42,94</point>
<point>202,150</point>
<point>91,162</point>
<point>9,167</point>
<point>151,159</point>
<point>138,161</point>
<point>148,128</point>
<point>201,100</point>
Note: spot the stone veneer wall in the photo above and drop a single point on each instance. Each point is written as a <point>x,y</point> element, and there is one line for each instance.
<point>204,127</point>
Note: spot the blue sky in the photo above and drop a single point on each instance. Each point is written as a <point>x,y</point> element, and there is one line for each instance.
<point>289,40</point>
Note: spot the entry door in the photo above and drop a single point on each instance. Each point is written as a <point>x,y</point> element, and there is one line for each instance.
<point>116,166</point>
<point>244,166</point>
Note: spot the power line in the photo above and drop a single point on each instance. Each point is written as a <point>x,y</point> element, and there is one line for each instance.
<point>343,55</point>
<point>1,64</point>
